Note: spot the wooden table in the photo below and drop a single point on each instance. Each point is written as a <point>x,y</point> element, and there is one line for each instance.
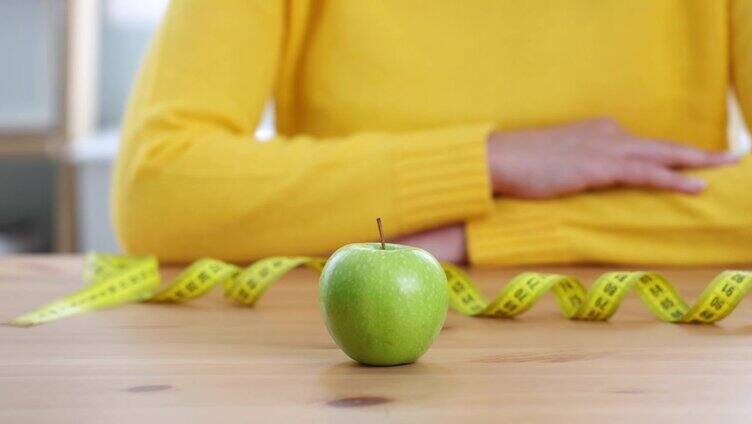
<point>213,362</point>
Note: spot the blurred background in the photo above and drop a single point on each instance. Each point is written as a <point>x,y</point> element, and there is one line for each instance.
<point>67,67</point>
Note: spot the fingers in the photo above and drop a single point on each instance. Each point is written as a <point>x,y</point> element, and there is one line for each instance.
<point>650,175</point>
<point>677,156</point>
<point>446,244</point>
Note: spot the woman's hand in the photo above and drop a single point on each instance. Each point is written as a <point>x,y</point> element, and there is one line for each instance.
<point>589,155</point>
<point>446,244</point>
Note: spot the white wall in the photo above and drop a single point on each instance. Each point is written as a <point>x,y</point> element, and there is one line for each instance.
<point>28,76</point>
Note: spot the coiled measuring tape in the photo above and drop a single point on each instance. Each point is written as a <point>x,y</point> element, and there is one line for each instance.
<point>117,280</point>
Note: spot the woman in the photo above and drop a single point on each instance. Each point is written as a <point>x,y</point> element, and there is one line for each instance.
<point>473,124</point>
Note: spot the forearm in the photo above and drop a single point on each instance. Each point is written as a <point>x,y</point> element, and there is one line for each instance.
<point>184,195</point>
<point>623,226</point>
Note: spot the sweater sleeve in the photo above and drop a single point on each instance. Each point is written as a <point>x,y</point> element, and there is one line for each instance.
<point>191,181</point>
<point>741,55</point>
<point>624,226</point>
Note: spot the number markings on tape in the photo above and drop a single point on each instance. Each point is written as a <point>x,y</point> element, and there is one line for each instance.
<point>116,280</point>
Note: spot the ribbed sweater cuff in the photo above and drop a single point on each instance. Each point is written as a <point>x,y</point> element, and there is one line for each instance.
<point>517,238</point>
<point>442,176</point>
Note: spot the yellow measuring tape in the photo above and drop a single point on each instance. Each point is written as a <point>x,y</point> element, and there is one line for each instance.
<point>117,280</point>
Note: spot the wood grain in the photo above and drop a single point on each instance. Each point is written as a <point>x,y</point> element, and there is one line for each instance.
<point>210,361</point>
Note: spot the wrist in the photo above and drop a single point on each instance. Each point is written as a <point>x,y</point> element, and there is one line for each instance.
<point>495,152</point>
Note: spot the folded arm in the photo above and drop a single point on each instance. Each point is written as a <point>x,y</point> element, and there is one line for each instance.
<point>624,226</point>
<point>630,226</point>
<point>191,181</point>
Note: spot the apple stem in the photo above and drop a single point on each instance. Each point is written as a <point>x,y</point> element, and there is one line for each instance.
<point>381,233</point>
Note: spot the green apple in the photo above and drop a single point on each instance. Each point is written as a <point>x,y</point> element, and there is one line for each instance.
<point>383,306</point>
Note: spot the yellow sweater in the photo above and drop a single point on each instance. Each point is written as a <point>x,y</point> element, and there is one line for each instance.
<point>384,107</point>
